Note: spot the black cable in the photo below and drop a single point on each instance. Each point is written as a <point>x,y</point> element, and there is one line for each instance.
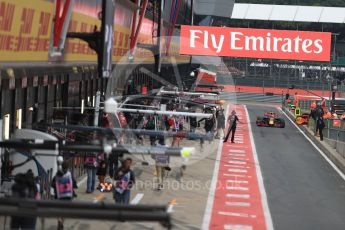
<point>23,163</point>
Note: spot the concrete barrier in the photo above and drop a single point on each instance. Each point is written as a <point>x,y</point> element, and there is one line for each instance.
<point>341,148</point>
<point>331,143</point>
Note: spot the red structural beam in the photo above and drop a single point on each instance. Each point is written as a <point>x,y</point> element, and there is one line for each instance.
<point>134,21</point>
<point>59,20</point>
<point>171,32</point>
<point>134,36</point>
<point>173,2</point>
<point>56,22</point>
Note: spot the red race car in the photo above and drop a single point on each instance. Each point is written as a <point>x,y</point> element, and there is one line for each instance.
<point>270,119</point>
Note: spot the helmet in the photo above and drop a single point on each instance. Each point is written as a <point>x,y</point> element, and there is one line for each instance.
<point>221,102</point>
<point>59,160</point>
<point>107,180</point>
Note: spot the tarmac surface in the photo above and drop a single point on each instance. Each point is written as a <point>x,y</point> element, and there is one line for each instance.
<point>303,190</point>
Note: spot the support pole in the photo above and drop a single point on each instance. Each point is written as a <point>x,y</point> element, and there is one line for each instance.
<point>134,131</point>
<point>179,93</point>
<point>159,34</point>
<point>97,107</point>
<point>1,128</point>
<point>84,210</point>
<point>107,148</point>
<point>108,10</point>
<point>157,112</point>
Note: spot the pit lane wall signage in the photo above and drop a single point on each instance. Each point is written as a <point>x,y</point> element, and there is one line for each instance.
<point>25,29</point>
<point>255,43</point>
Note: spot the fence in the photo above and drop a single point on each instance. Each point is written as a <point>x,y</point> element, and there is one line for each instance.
<point>281,83</point>
<point>305,105</point>
<point>284,68</point>
<point>273,82</point>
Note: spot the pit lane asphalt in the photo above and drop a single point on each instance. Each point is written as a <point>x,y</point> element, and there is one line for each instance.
<point>303,190</point>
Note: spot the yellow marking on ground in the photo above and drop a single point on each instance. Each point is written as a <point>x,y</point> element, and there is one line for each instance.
<point>173,202</point>
<point>100,197</point>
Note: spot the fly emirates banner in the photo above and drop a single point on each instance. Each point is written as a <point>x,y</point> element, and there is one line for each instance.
<point>255,43</point>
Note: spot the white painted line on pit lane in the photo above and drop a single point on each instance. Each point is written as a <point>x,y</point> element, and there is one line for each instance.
<point>236,175</point>
<point>239,141</point>
<point>237,227</point>
<point>137,198</point>
<point>238,170</point>
<point>237,166</point>
<point>238,158</point>
<point>238,204</point>
<point>240,147</point>
<point>238,188</point>
<point>237,151</point>
<point>237,162</point>
<point>235,159</point>
<point>237,181</point>
<point>212,192</point>
<point>235,155</point>
<point>267,212</point>
<point>240,196</point>
<point>341,174</point>
<point>244,215</point>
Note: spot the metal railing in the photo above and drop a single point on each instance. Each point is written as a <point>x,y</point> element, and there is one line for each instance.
<point>84,210</point>
<point>275,82</point>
